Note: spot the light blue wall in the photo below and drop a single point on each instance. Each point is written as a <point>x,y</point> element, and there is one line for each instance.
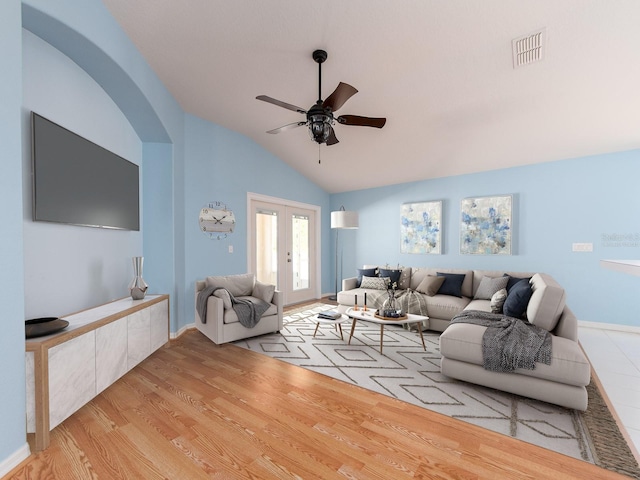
<point>224,165</point>
<point>82,71</point>
<point>158,220</point>
<point>70,268</point>
<point>12,372</point>
<point>555,204</point>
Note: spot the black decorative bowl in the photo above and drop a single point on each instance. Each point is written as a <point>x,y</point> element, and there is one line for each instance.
<point>39,327</point>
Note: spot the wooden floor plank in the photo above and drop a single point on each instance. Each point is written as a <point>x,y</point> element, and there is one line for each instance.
<point>196,410</point>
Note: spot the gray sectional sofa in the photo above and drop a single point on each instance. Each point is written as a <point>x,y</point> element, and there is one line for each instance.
<point>563,382</point>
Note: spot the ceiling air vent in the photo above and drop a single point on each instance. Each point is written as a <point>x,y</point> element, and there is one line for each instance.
<point>528,49</point>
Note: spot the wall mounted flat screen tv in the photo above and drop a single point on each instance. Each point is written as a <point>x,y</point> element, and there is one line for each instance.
<point>78,182</point>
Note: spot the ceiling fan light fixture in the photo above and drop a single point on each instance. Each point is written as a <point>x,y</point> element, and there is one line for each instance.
<point>319,127</point>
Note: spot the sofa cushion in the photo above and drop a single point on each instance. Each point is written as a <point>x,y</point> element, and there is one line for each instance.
<point>497,301</point>
<point>263,291</point>
<point>238,285</point>
<point>445,307</point>
<point>452,284</point>
<point>489,285</point>
<point>368,272</point>
<point>374,283</point>
<point>230,315</point>
<point>547,302</point>
<point>347,297</point>
<point>430,285</point>
<point>517,299</point>
<point>463,342</point>
<point>405,279</point>
<point>482,305</point>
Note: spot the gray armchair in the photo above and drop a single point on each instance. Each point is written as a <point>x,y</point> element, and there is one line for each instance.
<point>221,324</point>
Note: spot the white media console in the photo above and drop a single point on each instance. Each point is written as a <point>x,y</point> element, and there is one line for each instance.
<point>67,369</point>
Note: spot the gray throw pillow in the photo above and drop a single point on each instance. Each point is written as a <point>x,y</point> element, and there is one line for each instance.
<point>263,291</point>
<point>497,300</point>
<point>375,283</point>
<point>489,285</point>
<point>430,285</point>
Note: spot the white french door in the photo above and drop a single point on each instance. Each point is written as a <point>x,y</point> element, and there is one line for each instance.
<point>283,246</point>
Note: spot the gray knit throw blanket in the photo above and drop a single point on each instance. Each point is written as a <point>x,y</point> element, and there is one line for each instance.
<point>509,343</point>
<point>249,313</point>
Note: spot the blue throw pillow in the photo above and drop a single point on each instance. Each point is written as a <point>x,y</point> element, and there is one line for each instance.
<point>452,284</point>
<point>394,275</point>
<point>366,272</point>
<point>517,300</point>
<point>513,280</point>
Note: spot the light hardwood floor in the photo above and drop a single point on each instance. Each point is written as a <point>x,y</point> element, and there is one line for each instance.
<point>196,410</point>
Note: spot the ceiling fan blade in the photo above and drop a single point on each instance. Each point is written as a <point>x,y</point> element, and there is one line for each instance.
<point>361,121</point>
<point>279,103</point>
<point>332,139</point>
<point>286,127</point>
<point>341,94</point>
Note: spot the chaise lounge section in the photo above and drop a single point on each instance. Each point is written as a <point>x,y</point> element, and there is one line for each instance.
<point>563,382</point>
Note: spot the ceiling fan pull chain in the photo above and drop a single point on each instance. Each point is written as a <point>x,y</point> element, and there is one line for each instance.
<point>319,162</point>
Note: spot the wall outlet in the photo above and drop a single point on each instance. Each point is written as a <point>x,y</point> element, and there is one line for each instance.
<point>230,248</point>
<point>582,247</point>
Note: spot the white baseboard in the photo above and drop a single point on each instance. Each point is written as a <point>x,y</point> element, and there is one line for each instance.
<point>609,326</point>
<point>14,459</point>
<point>175,335</point>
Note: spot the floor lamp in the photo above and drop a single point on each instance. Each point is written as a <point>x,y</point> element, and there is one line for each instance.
<point>342,219</point>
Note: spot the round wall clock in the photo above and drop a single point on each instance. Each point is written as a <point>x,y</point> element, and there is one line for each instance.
<point>216,220</point>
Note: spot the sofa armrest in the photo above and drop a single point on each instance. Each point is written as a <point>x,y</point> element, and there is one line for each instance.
<point>349,283</point>
<point>277,300</point>
<point>567,326</point>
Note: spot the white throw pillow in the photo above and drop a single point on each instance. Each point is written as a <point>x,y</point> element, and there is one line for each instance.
<point>375,283</point>
<point>497,300</point>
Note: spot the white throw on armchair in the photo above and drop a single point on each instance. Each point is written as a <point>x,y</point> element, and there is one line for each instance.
<point>221,323</point>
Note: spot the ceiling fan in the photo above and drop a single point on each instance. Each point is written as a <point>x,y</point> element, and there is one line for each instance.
<point>320,118</point>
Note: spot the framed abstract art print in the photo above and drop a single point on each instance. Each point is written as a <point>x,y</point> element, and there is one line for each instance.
<point>486,225</point>
<point>421,227</point>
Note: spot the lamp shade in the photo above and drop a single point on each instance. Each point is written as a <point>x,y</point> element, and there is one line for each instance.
<point>344,219</point>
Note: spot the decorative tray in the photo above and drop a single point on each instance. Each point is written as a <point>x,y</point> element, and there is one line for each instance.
<point>39,327</point>
<point>391,319</point>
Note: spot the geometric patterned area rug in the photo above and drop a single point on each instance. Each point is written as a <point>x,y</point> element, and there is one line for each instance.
<point>406,372</point>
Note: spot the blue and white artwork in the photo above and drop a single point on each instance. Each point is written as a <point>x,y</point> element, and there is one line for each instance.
<point>421,227</point>
<point>486,225</point>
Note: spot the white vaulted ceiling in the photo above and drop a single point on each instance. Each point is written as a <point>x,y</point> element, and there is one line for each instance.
<point>440,71</point>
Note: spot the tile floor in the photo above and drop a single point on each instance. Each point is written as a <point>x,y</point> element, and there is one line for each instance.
<point>615,357</point>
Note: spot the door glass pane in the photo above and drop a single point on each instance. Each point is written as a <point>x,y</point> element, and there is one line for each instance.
<point>267,247</point>
<point>300,251</point>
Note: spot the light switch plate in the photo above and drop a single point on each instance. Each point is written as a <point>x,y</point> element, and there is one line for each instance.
<point>582,247</point>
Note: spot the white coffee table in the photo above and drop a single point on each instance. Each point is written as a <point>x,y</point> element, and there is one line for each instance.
<point>337,322</point>
<point>369,316</point>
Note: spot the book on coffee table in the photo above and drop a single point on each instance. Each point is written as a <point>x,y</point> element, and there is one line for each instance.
<point>330,315</point>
